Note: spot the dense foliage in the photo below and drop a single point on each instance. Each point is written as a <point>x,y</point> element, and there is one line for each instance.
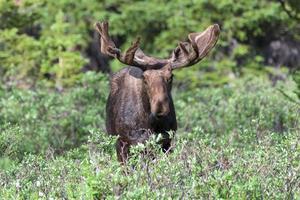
<point>59,120</point>
<point>238,110</point>
<point>237,141</point>
<point>48,41</point>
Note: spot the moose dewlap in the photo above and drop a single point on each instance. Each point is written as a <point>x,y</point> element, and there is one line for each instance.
<point>140,101</point>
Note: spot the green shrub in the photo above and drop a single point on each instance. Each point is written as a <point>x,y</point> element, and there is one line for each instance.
<point>48,40</point>
<point>42,40</point>
<point>297,81</point>
<point>53,119</point>
<point>236,142</point>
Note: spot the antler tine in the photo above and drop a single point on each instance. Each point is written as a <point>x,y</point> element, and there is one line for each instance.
<point>183,49</point>
<point>199,44</point>
<point>128,57</point>
<point>107,46</point>
<point>184,55</point>
<point>132,56</point>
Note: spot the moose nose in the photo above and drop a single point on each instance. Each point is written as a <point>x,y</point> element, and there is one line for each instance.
<point>156,116</point>
<point>161,114</point>
<point>162,109</point>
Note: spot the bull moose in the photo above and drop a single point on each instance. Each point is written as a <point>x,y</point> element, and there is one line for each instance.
<point>140,101</point>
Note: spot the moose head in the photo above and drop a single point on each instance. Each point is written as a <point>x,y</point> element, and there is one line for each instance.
<point>143,101</point>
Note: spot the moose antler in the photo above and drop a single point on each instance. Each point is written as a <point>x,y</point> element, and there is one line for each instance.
<point>185,54</point>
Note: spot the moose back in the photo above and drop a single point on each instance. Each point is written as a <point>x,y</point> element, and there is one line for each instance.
<point>140,102</point>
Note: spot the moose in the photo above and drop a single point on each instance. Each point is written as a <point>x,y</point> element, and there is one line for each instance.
<point>140,102</point>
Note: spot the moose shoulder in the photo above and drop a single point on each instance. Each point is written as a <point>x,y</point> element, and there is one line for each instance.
<point>140,101</point>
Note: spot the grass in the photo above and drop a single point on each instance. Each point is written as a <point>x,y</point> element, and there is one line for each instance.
<point>239,141</point>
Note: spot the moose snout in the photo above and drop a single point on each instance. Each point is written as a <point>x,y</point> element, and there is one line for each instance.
<point>160,108</point>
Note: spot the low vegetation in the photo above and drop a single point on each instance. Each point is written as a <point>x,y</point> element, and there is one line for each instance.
<point>236,141</point>
<point>238,110</point>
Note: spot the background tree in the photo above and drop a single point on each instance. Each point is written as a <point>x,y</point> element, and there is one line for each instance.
<point>53,42</point>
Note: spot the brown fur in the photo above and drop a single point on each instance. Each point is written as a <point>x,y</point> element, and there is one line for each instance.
<point>140,104</point>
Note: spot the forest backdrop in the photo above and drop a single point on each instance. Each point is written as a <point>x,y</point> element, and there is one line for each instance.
<point>53,42</point>
<point>238,109</point>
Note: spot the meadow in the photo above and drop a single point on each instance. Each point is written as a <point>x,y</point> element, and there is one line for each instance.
<point>238,110</point>
<point>238,141</point>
